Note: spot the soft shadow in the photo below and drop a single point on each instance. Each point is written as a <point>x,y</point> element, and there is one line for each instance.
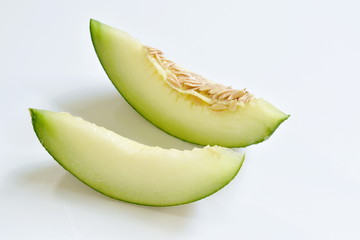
<point>185,211</point>
<point>37,177</point>
<point>53,180</point>
<point>110,110</point>
<point>72,187</point>
<point>46,178</point>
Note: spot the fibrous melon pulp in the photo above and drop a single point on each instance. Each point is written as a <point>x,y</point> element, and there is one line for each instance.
<point>130,171</point>
<point>180,102</point>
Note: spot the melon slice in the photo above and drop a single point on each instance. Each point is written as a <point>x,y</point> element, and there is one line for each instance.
<point>182,103</point>
<point>129,171</point>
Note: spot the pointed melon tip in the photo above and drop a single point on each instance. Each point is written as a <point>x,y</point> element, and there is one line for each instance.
<point>93,22</point>
<point>33,112</point>
<point>39,118</point>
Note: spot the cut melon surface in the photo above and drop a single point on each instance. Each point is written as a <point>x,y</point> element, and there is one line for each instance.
<point>180,102</point>
<point>129,171</point>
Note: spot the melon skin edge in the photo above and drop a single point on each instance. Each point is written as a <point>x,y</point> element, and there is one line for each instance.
<point>257,126</point>
<point>47,131</point>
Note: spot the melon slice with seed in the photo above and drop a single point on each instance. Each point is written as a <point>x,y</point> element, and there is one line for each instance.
<point>180,102</point>
<point>129,171</point>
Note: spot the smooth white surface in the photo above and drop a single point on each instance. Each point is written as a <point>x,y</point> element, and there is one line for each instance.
<point>303,56</point>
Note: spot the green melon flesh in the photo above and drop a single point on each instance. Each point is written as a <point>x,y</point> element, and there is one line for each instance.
<point>130,171</point>
<point>127,64</point>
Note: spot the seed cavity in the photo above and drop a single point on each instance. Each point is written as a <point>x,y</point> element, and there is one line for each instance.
<point>221,97</point>
<point>218,106</point>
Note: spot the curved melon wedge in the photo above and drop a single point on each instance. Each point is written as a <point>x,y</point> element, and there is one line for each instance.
<point>178,101</point>
<point>129,171</point>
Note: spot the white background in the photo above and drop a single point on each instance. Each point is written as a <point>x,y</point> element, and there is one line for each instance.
<point>302,56</point>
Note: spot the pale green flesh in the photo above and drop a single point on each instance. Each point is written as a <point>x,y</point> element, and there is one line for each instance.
<point>130,171</point>
<point>127,64</point>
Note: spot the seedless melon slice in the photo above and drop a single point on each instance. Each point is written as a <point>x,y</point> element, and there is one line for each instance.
<point>182,103</point>
<point>130,171</point>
